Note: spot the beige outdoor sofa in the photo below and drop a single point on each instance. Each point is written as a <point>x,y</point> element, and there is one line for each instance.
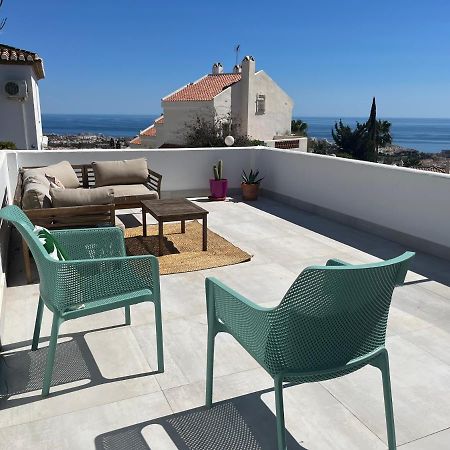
<point>64,195</point>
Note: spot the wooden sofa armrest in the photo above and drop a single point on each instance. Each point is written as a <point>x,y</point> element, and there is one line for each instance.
<point>154,181</point>
<point>72,216</point>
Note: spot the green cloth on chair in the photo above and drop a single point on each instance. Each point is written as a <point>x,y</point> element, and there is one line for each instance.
<point>331,322</point>
<point>97,276</point>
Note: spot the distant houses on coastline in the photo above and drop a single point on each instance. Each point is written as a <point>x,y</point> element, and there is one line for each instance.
<point>254,104</point>
<point>20,110</point>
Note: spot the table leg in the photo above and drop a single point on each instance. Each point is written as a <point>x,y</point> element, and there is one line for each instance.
<point>205,233</point>
<point>160,237</point>
<point>144,222</point>
<point>183,226</point>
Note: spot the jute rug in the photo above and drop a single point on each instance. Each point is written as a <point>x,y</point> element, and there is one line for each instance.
<point>183,252</point>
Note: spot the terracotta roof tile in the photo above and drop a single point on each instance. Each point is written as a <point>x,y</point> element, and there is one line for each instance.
<point>204,89</point>
<point>136,141</point>
<point>150,131</point>
<point>12,55</point>
<point>160,120</point>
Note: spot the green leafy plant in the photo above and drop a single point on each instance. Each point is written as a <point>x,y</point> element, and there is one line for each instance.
<point>252,177</point>
<point>365,140</point>
<point>299,128</point>
<point>7,145</point>
<point>218,170</point>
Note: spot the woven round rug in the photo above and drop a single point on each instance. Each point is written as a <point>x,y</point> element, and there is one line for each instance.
<point>182,252</point>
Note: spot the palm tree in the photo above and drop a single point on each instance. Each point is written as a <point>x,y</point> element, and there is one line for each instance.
<point>384,136</point>
<point>299,128</point>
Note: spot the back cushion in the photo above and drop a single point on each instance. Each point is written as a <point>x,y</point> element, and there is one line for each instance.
<point>36,192</point>
<point>81,197</point>
<point>63,171</point>
<point>131,171</point>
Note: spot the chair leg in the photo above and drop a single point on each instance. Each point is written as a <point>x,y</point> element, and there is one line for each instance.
<point>382,363</point>
<point>37,325</point>
<point>127,315</point>
<point>210,366</point>
<point>389,410</point>
<point>281,430</point>
<point>159,337</point>
<point>51,355</point>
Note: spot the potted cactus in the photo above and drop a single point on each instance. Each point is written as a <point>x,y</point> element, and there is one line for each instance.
<point>218,185</point>
<point>250,185</point>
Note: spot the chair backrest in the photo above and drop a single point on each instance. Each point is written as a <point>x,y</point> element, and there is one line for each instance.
<point>20,220</point>
<point>332,315</point>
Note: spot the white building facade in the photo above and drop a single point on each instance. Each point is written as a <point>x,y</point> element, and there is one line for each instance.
<point>256,106</point>
<point>20,110</point>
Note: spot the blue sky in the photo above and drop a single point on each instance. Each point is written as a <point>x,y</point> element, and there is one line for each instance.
<point>330,56</point>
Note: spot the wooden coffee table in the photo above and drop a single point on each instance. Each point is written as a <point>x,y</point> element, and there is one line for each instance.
<point>173,210</point>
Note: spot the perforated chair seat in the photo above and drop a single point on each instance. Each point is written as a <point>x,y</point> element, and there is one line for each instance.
<point>96,277</point>
<point>331,322</point>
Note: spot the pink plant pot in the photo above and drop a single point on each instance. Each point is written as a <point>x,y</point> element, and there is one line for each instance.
<point>218,188</point>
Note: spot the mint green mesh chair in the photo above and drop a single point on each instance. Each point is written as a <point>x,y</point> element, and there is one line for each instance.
<point>97,277</point>
<point>331,322</point>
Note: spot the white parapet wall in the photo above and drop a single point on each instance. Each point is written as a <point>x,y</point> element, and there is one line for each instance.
<point>406,205</point>
<point>185,171</point>
<point>4,234</point>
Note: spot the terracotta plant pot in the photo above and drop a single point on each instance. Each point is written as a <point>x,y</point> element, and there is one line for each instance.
<point>250,191</point>
<point>218,189</point>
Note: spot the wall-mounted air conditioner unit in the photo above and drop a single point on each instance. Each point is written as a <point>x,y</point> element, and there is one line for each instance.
<point>17,89</point>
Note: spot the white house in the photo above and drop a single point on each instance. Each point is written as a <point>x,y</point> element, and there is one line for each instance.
<point>20,110</point>
<point>257,106</point>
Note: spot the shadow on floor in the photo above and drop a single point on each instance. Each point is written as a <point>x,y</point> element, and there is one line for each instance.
<point>242,423</point>
<point>22,370</point>
<point>427,265</point>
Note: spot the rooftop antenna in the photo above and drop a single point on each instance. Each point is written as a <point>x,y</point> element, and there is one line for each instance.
<point>2,21</point>
<point>236,49</point>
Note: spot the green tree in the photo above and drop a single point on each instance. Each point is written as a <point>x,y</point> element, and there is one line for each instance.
<point>299,128</point>
<point>384,137</point>
<point>371,139</point>
<point>349,141</point>
<point>205,133</point>
<point>364,141</point>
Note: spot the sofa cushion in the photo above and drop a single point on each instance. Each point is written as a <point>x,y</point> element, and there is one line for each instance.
<point>36,192</point>
<point>131,171</point>
<point>63,171</point>
<point>81,197</point>
<point>127,190</point>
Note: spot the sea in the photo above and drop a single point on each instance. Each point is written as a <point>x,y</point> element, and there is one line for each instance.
<point>426,135</point>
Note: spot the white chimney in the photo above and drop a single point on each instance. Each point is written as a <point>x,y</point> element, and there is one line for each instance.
<point>217,68</point>
<point>237,69</point>
<point>248,94</point>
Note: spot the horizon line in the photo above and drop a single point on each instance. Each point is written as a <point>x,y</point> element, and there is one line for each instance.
<point>299,116</point>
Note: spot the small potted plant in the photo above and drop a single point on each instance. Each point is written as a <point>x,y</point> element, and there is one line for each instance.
<point>218,185</point>
<point>250,185</point>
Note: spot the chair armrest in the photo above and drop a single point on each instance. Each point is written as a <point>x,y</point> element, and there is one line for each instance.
<point>91,243</point>
<point>337,262</point>
<point>154,181</point>
<point>83,281</point>
<point>231,312</point>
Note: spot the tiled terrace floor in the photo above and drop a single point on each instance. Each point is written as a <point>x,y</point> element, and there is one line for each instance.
<point>113,401</point>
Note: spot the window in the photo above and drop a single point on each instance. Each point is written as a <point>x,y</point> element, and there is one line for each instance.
<point>260,104</point>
